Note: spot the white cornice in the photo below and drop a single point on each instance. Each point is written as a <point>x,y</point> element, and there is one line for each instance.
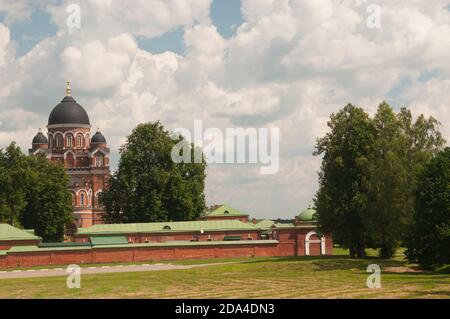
<point>75,125</point>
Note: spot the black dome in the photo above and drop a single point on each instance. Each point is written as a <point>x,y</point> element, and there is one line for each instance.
<point>40,139</point>
<point>68,112</point>
<point>98,138</point>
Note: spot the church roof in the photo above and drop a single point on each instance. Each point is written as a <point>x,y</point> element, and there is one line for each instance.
<point>68,111</point>
<point>40,138</point>
<point>98,138</point>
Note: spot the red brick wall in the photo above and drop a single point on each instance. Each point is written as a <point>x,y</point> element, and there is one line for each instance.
<point>153,254</point>
<point>29,259</point>
<point>291,242</point>
<point>3,261</point>
<point>7,244</point>
<point>71,257</point>
<point>160,238</point>
<point>292,239</point>
<point>135,254</point>
<point>194,252</point>
<point>286,249</point>
<point>107,255</point>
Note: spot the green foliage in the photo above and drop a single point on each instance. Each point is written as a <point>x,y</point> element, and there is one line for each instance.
<point>429,240</point>
<point>13,173</point>
<point>387,184</point>
<point>368,176</point>
<point>33,193</point>
<point>49,203</point>
<point>341,201</point>
<point>148,186</point>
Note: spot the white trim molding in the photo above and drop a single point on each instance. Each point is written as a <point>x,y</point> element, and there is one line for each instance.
<point>308,241</point>
<point>74,125</point>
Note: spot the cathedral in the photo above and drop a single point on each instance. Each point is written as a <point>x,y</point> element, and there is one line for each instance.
<point>85,157</point>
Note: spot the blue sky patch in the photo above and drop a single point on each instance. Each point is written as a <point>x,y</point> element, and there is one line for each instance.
<point>170,41</point>
<point>226,16</point>
<point>30,32</point>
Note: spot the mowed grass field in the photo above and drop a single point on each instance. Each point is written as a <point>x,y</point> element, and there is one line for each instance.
<point>301,277</point>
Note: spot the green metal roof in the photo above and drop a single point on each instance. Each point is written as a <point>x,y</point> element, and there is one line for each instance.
<point>265,224</point>
<point>224,210</point>
<point>22,249</point>
<point>210,225</point>
<point>8,232</point>
<point>284,225</point>
<point>63,244</point>
<point>308,214</point>
<point>108,240</point>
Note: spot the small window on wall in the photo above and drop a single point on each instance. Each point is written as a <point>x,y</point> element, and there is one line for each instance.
<point>80,141</point>
<point>69,141</point>
<point>82,200</point>
<point>59,141</point>
<point>98,199</point>
<point>50,142</point>
<point>98,161</point>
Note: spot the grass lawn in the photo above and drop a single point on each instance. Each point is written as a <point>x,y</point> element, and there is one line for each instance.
<point>300,277</point>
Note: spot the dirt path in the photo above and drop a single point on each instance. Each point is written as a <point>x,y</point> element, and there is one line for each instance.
<point>62,271</point>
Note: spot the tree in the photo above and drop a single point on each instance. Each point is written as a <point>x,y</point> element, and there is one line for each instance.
<point>13,174</point>
<point>148,185</point>
<point>402,147</point>
<point>341,200</point>
<point>49,204</point>
<point>387,184</point>
<point>33,193</point>
<point>429,239</point>
<point>367,180</point>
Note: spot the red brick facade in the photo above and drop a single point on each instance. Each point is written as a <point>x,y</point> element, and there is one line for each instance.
<point>182,236</point>
<point>7,244</point>
<point>85,158</point>
<point>289,241</point>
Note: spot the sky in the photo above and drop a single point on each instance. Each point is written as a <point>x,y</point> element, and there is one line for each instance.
<point>285,64</point>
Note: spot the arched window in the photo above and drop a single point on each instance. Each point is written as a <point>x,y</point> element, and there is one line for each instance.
<point>98,198</point>
<point>69,141</point>
<point>87,140</point>
<point>80,141</point>
<point>73,199</point>
<point>59,140</point>
<point>50,141</point>
<point>98,160</point>
<point>82,200</point>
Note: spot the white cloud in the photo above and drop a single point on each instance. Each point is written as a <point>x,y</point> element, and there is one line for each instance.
<point>290,65</point>
<point>17,10</point>
<point>148,18</point>
<point>95,66</point>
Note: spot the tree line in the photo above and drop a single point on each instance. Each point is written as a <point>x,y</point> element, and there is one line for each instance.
<point>372,176</point>
<point>147,186</point>
<point>34,194</point>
